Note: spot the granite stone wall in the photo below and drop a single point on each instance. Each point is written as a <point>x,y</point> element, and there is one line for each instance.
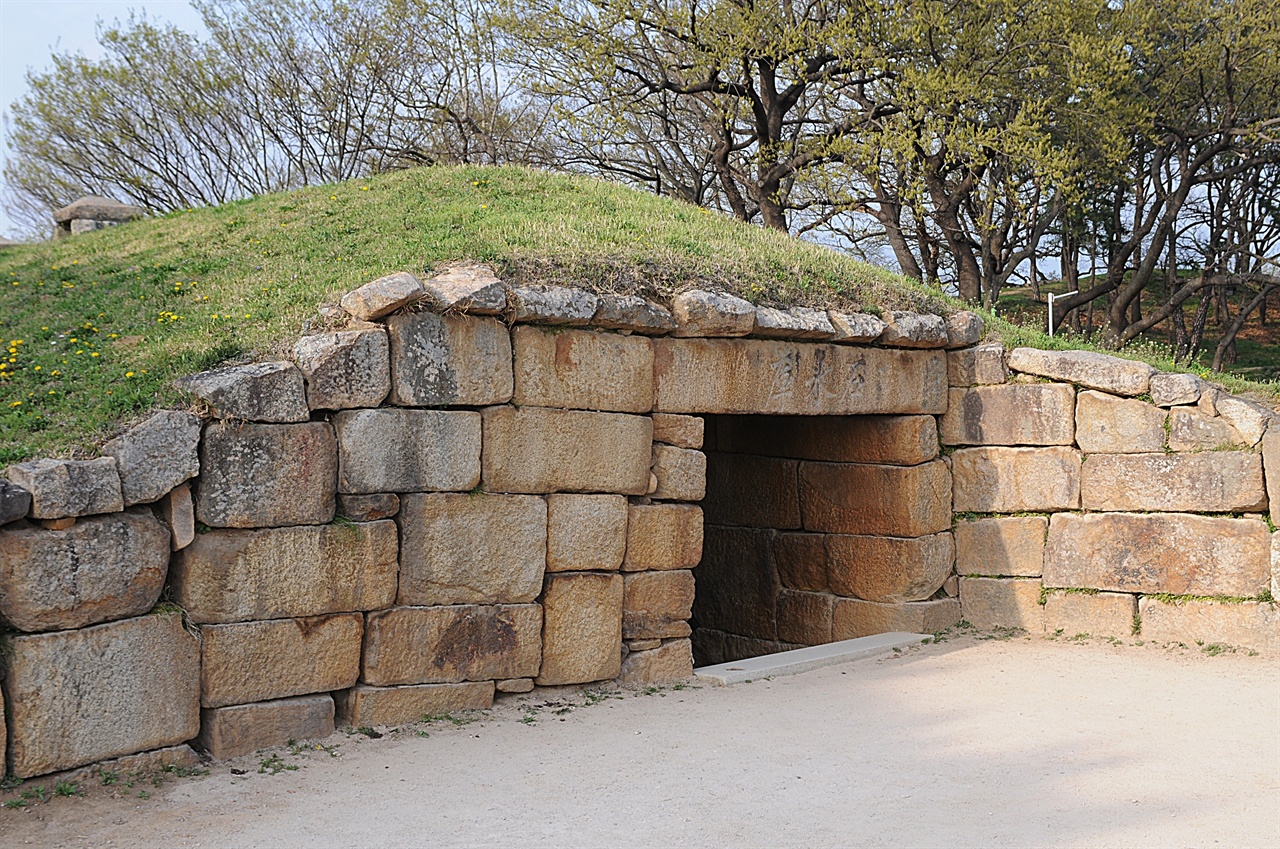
<point>457,487</point>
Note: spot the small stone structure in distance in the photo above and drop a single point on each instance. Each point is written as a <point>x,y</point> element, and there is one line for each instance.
<point>470,488</point>
<point>92,213</point>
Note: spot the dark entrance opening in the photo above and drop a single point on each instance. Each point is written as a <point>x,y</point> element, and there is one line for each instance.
<point>821,528</point>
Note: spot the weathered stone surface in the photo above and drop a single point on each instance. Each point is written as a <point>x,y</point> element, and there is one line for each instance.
<point>657,604</point>
<point>888,569</point>
<point>510,685</point>
<point>1008,546</point>
<point>364,707</point>
<point>759,492</point>
<point>128,768</point>
<point>1169,390</point>
<point>1249,418</point>
<point>370,507</point>
<point>534,449</point>
<point>1095,371</point>
<point>1107,424</point>
<point>1275,565</point>
<point>795,378</point>
<point>444,360</point>
<point>156,456</point>
<point>1002,603</point>
<point>1215,482</point>
<point>913,330</point>
<point>737,583</point>
<point>805,618</point>
<point>383,296</point>
<point>677,430</point>
<point>262,475</point>
<point>260,392</point>
<point>1250,625</point>
<point>446,645</point>
<point>349,368</point>
<point>964,328</point>
<point>58,524</point>
<point>1013,414</point>
<point>681,473</point>
<point>583,370</point>
<point>275,573</point>
<point>582,628</point>
<point>585,532</point>
<point>255,661</point>
<point>105,567</point>
<point>1190,429</point>
<point>60,488</point>
<point>663,536</point>
<point>852,498</point>
<point>1158,553</point>
<point>179,513</point>
<point>699,313</point>
<point>467,549</point>
<point>229,732</point>
<point>471,288</point>
<point>1095,614</point>
<point>951,586</point>
<point>75,697</point>
<point>852,617</point>
<point>1015,480</point>
<point>97,208</point>
<point>1270,466</point>
<point>15,502</point>
<point>794,323</point>
<point>888,440</point>
<point>856,327</point>
<point>977,366</point>
<point>672,662</point>
<point>634,314</point>
<point>553,305</point>
<point>802,561</point>
<point>390,450</point>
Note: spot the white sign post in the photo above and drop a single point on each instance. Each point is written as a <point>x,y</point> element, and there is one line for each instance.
<point>1051,297</point>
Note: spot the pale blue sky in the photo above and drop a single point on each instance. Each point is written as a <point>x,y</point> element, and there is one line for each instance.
<point>32,30</point>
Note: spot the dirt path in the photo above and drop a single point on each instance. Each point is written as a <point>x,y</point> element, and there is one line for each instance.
<point>966,743</point>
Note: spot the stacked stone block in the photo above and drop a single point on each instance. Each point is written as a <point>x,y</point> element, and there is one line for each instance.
<point>1097,496</point>
<point>428,506</point>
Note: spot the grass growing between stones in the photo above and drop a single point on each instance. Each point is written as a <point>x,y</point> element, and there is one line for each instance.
<point>96,327</point>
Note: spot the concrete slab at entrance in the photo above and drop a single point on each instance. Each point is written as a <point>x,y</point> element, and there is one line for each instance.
<point>805,659</point>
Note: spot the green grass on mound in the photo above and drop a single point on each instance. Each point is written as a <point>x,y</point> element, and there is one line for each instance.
<point>94,329</point>
<point>98,326</point>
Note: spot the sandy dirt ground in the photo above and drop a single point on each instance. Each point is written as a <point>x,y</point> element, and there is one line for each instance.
<point>970,742</point>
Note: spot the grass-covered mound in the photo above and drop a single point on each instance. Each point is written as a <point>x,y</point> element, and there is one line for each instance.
<point>97,326</point>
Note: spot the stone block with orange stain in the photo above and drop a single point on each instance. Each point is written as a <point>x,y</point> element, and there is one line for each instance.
<point>795,378</point>
<point>853,617</point>
<point>889,569</point>
<point>853,498</point>
<point>657,605</point>
<point>582,628</point>
<point>538,450</point>
<point>1158,553</point>
<point>1002,603</point>
<point>582,370</point>
<point>663,536</point>
<point>256,661</point>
